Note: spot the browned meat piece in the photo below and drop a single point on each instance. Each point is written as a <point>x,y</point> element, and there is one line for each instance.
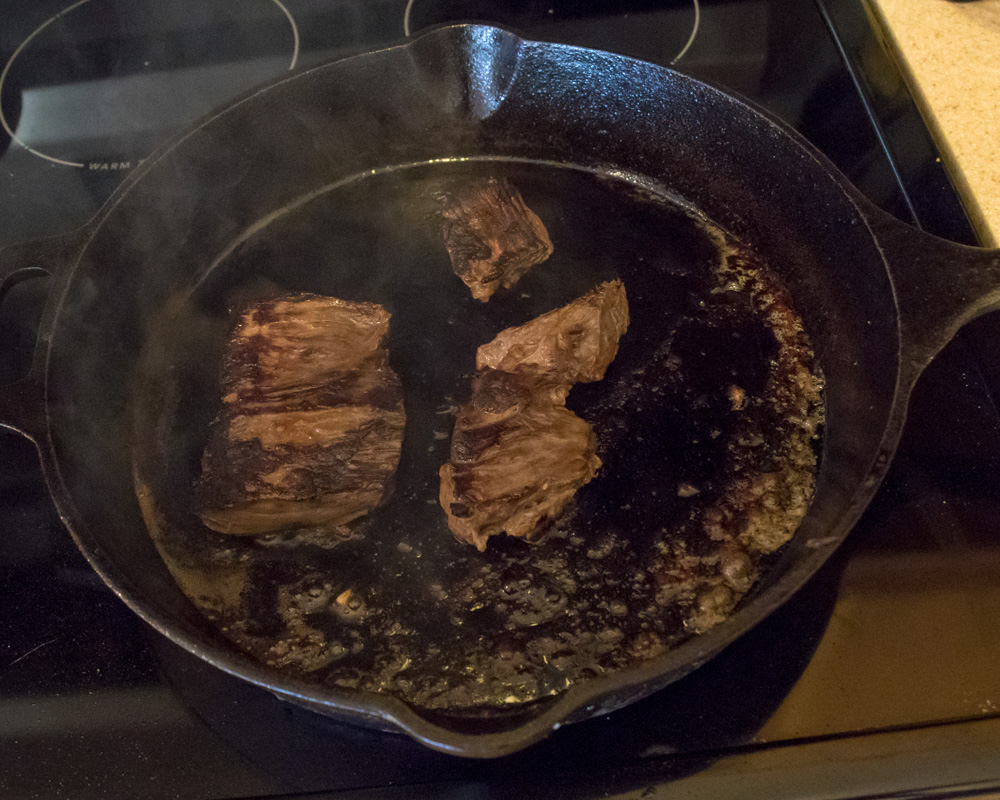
<point>518,455</point>
<point>517,458</point>
<point>573,344</point>
<point>312,421</point>
<point>492,237</point>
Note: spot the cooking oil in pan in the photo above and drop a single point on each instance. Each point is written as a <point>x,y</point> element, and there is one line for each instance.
<point>707,422</point>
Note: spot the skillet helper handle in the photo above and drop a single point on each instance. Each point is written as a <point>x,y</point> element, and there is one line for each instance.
<point>22,403</point>
<point>939,287</point>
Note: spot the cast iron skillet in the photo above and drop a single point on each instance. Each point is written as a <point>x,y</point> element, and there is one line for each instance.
<point>878,298</point>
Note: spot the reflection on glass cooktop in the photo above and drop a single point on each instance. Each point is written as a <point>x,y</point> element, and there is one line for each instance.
<point>896,633</point>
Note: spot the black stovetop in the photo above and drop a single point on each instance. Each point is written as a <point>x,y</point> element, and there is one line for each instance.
<point>881,676</point>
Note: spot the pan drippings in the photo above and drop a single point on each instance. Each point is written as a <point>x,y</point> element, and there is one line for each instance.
<point>707,427</point>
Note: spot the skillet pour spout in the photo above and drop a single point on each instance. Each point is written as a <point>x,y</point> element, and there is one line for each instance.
<point>877,298</point>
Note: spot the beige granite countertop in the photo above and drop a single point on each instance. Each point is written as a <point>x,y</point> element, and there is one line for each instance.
<point>950,52</point>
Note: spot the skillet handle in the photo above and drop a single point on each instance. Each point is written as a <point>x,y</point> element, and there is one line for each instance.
<point>22,404</point>
<point>939,287</point>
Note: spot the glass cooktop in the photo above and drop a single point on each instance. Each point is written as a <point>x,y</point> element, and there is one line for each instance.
<point>880,677</point>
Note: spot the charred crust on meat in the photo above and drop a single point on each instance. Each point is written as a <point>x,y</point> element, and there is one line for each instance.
<point>518,455</point>
<point>571,344</point>
<point>312,421</point>
<point>492,237</point>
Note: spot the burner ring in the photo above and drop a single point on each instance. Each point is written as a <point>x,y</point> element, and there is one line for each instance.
<point>21,47</point>
<point>691,37</point>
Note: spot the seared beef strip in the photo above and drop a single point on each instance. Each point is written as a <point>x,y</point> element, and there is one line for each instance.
<point>312,420</point>
<point>492,237</point>
<point>514,465</point>
<point>518,455</point>
<point>572,344</point>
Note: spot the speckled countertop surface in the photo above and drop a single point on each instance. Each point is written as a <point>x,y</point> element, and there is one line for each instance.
<point>951,52</point>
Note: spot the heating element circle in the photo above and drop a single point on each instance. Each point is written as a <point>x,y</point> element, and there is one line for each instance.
<point>5,124</point>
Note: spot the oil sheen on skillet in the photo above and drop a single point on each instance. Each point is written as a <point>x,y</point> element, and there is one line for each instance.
<point>708,424</point>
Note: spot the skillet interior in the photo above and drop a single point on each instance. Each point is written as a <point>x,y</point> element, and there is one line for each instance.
<point>436,622</point>
<point>482,93</point>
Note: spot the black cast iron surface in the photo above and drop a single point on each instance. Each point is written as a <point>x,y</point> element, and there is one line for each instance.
<point>94,705</point>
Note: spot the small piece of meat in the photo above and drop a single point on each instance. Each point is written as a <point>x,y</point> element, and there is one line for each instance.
<point>572,344</point>
<point>312,422</point>
<point>492,237</point>
<point>518,455</point>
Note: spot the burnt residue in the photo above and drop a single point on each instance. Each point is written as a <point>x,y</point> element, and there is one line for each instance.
<point>707,425</point>
<point>314,471</point>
